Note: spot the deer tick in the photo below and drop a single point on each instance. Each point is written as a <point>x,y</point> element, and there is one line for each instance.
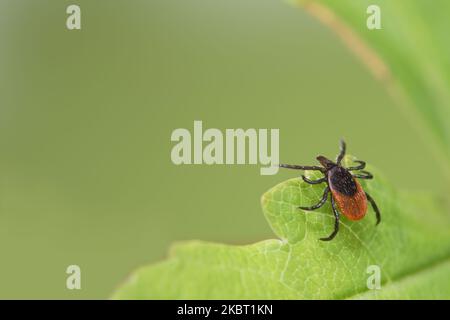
<point>347,195</point>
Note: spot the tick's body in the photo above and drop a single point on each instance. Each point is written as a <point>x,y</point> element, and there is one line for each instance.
<point>347,195</point>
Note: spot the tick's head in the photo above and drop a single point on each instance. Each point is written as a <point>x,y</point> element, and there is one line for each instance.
<point>326,163</point>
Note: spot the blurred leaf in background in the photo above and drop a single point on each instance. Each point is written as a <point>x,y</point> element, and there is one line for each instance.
<point>410,55</point>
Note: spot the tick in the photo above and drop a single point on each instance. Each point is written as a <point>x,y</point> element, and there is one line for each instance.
<point>347,195</point>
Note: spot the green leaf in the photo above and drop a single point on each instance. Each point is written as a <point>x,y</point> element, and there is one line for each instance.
<point>410,54</point>
<point>411,246</point>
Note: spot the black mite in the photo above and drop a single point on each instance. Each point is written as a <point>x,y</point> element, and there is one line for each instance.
<point>347,195</point>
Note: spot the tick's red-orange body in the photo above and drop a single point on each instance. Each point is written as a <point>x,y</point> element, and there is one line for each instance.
<point>353,207</point>
<point>347,194</point>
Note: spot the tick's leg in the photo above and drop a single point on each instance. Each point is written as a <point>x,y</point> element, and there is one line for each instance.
<point>362,165</point>
<point>375,208</point>
<point>364,175</point>
<point>342,153</point>
<point>314,181</point>
<point>320,203</point>
<point>295,167</point>
<point>336,222</point>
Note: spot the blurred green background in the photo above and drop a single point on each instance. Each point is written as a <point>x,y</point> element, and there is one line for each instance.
<point>86,118</point>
